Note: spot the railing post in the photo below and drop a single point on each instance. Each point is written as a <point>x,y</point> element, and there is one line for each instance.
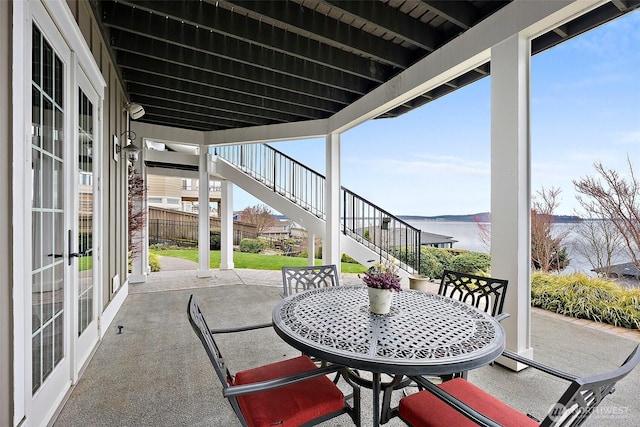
<point>275,170</point>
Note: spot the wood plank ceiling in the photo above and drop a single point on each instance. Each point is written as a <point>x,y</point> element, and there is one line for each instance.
<point>217,64</point>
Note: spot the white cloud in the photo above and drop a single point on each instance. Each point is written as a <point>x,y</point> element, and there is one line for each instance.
<point>422,164</point>
<point>629,137</point>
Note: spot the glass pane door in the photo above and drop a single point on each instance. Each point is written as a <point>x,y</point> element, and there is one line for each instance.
<point>85,194</point>
<point>47,210</point>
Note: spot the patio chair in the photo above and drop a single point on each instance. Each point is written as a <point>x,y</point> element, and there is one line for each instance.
<point>290,392</point>
<point>485,293</point>
<point>460,403</point>
<point>298,279</point>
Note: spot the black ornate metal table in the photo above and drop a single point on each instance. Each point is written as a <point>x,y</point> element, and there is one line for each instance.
<point>423,334</point>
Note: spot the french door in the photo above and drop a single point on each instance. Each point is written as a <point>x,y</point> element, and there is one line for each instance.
<point>87,258</point>
<point>65,264</point>
<point>50,280</point>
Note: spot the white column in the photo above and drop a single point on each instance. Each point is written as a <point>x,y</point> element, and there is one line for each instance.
<point>331,243</point>
<point>511,187</point>
<point>140,260</point>
<point>204,269</point>
<point>311,248</point>
<point>226,226</point>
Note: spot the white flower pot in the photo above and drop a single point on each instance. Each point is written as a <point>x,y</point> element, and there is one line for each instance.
<point>419,282</point>
<point>380,300</point>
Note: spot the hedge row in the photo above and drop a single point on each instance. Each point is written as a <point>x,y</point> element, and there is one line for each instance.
<point>580,296</point>
<point>433,261</point>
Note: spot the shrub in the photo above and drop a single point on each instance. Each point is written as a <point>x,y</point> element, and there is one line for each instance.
<point>471,263</point>
<point>433,261</point>
<point>348,259</point>
<point>253,246</point>
<point>154,262</point>
<point>214,240</point>
<point>578,295</point>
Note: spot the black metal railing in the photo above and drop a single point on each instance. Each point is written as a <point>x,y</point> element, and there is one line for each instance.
<point>390,237</point>
<point>279,172</point>
<point>387,235</point>
<point>185,233</point>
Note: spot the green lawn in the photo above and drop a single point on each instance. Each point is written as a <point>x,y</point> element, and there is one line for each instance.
<point>254,261</point>
<point>85,263</point>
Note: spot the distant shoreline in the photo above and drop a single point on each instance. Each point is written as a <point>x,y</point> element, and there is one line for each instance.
<point>480,217</point>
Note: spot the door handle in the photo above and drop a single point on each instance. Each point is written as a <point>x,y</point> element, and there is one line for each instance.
<point>56,255</point>
<point>70,247</point>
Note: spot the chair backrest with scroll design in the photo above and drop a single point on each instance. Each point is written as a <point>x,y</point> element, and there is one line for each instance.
<point>584,394</point>
<point>298,279</point>
<point>485,293</point>
<point>458,402</point>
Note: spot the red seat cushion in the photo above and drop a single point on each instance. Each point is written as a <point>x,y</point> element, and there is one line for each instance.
<point>425,409</point>
<point>290,405</point>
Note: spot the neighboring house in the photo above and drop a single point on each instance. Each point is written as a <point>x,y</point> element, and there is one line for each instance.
<point>280,230</point>
<point>436,240</point>
<point>170,192</point>
<point>626,270</point>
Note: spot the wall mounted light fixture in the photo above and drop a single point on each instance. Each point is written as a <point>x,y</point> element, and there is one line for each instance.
<point>135,110</point>
<point>129,150</point>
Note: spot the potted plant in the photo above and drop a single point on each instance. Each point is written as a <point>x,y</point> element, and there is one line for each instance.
<point>381,281</point>
<point>419,282</point>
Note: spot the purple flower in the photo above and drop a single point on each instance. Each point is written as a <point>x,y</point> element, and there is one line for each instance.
<point>381,277</point>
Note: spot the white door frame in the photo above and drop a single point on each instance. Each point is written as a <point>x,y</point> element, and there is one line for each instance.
<point>83,345</point>
<point>55,20</point>
<point>53,389</point>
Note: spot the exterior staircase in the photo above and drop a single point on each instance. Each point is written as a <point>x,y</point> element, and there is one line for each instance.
<point>368,232</point>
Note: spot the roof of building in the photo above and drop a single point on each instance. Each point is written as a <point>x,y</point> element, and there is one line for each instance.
<point>433,238</point>
<point>627,269</point>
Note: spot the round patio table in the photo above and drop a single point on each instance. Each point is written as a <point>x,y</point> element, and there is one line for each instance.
<point>423,334</point>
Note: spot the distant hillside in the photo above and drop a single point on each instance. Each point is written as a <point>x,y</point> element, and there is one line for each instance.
<point>479,217</point>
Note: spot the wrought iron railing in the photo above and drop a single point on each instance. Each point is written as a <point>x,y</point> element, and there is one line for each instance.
<point>280,173</point>
<point>389,237</point>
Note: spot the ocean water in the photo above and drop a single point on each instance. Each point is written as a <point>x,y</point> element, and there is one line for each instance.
<point>468,237</point>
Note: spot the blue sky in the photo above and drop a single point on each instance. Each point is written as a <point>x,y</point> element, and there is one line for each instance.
<point>585,107</point>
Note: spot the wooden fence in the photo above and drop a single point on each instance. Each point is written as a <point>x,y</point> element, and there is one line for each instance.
<point>169,226</point>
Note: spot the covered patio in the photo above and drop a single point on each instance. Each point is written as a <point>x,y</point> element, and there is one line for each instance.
<point>76,81</point>
<point>156,373</point>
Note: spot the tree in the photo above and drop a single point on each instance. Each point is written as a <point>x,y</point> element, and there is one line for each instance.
<point>547,251</point>
<point>600,242</point>
<point>137,214</point>
<point>484,232</point>
<point>616,198</point>
<point>258,215</point>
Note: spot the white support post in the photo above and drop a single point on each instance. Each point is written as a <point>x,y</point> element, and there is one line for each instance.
<point>140,260</point>
<point>511,187</point>
<point>331,243</point>
<point>226,226</point>
<point>204,268</point>
<point>311,248</point>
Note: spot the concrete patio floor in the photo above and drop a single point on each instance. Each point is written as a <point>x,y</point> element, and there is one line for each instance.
<point>156,373</point>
